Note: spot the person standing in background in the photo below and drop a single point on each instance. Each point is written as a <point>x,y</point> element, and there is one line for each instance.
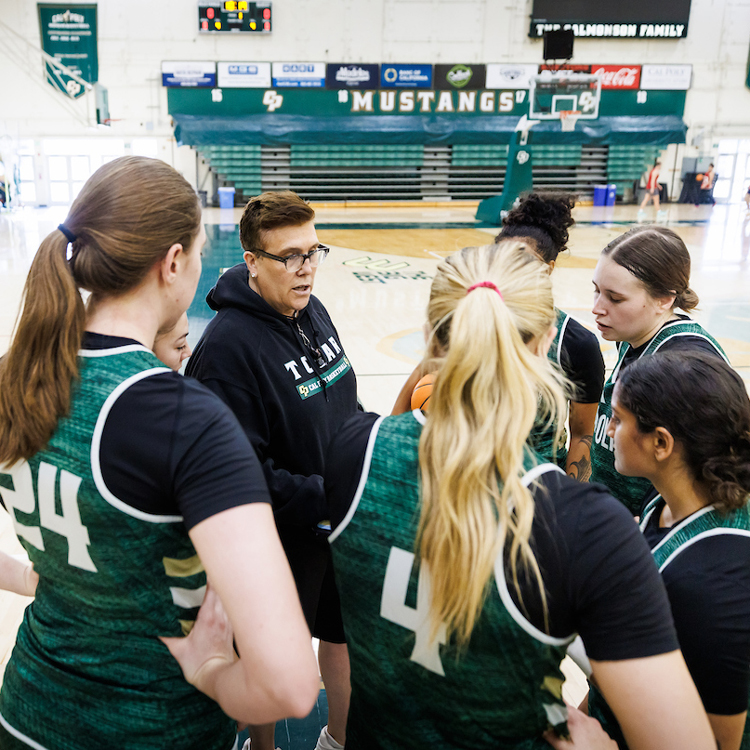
<point>707,184</point>
<point>653,189</point>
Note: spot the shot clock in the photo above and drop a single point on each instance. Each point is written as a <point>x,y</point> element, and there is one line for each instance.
<point>234,16</point>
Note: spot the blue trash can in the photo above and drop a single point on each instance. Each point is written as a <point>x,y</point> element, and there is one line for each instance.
<point>611,194</point>
<point>600,195</point>
<point>226,197</point>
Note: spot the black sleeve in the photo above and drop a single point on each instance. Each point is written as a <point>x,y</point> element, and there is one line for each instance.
<point>344,460</point>
<point>709,590</point>
<point>170,447</point>
<point>297,499</point>
<point>582,362</point>
<point>600,577</point>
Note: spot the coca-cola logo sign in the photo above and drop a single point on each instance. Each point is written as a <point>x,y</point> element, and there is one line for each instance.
<point>618,76</point>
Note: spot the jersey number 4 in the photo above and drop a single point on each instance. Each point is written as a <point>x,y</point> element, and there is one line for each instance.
<point>393,608</point>
<point>67,524</point>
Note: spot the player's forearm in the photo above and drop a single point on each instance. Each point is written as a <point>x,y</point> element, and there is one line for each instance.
<point>17,576</point>
<point>578,462</point>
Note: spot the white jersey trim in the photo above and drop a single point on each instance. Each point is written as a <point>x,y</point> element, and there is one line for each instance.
<point>645,518</point>
<point>563,328</point>
<point>362,482</point>
<point>96,442</point>
<point>502,584</point>
<point>109,352</point>
<point>19,735</point>
<point>681,525</point>
<point>721,531</point>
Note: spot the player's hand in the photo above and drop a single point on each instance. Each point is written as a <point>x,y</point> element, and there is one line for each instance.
<point>208,648</point>
<point>585,734</point>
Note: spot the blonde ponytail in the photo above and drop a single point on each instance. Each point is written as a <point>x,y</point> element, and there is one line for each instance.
<point>485,401</point>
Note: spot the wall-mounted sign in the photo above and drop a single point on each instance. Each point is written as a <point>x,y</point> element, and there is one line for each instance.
<point>510,76</point>
<point>614,30</point>
<point>190,74</point>
<point>352,76</point>
<point>299,74</point>
<point>618,76</point>
<point>666,77</point>
<point>419,102</point>
<point>459,76</point>
<point>244,75</point>
<point>616,19</point>
<point>405,76</point>
<point>575,67</point>
<point>69,35</point>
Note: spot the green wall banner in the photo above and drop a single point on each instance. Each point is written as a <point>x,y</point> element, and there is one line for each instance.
<point>69,35</point>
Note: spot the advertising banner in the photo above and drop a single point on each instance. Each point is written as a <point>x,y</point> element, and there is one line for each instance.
<point>352,76</point>
<point>69,35</point>
<point>405,76</point>
<point>618,76</point>
<point>459,76</point>
<point>244,75</point>
<point>189,74</point>
<point>510,76</point>
<point>666,77</point>
<point>299,74</point>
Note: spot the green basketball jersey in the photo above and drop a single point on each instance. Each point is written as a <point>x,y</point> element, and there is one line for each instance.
<point>705,523</point>
<point>631,491</point>
<point>542,437</point>
<point>88,669</point>
<point>409,692</point>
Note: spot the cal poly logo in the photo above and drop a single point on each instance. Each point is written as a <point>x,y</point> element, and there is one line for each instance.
<point>459,76</point>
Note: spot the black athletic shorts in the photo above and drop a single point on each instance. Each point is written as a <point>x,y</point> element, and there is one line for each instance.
<point>309,556</point>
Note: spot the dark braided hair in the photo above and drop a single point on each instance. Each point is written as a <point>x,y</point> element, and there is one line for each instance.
<point>544,218</point>
<point>704,405</point>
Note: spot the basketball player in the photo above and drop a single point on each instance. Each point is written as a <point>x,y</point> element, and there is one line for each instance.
<point>171,346</point>
<point>465,568</point>
<point>641,280</point>
<point>541,221</point>
<point>698,521</point>
<point>652,188</point>
<point>123,481</point>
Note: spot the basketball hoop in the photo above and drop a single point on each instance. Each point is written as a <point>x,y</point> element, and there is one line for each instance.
<point>568,120</point>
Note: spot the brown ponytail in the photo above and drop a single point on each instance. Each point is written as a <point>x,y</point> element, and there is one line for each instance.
<point>125,219</point>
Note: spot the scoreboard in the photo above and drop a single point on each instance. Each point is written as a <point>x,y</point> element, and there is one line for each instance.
<point>234,16</point>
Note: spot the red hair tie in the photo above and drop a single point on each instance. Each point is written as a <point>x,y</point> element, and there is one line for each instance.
<point>488,284</point>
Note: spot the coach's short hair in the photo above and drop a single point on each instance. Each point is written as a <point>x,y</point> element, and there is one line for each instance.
<point>269,211</point>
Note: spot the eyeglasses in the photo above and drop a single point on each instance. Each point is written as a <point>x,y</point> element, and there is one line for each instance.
<point>293,263</point>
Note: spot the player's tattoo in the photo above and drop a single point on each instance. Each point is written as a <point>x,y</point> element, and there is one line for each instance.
<point>581,469</point>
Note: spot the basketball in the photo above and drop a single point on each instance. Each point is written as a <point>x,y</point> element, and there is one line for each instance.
<point>421,394</point>
<point>699,178</point>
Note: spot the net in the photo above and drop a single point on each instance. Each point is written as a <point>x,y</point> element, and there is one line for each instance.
<point>568,120</point>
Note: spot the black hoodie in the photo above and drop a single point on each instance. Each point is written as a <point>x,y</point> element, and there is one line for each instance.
<point>289,402</point>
